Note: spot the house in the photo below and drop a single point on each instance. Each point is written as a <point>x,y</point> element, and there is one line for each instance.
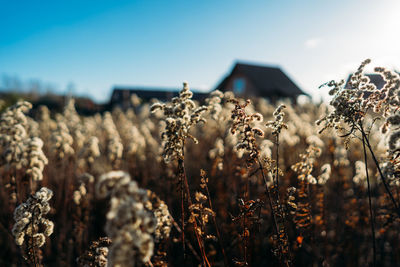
<point>250,80</point>
<point>121,96</point>
<point>245,80</point>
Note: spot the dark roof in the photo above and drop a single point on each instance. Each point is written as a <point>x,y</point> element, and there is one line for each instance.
<point>267,79</point>
<point>222,84</point>
<point>147,93</point>
<point>374,78</point>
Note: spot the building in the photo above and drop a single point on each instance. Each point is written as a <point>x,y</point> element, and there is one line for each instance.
<point>244,80</point>
<point>121,96</point>
<point>249,80</point>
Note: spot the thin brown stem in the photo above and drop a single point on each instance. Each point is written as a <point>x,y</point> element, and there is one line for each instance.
<point>268,194</point>
<point>17,187</point>
<point>217,229</point>
<point>181,170</point>
<point>274,216</point>
<point>383,178</point>
<point>269,197</point>
<point>277,162</point>
<point>370,202</point>
<point>185,182</point>
<point>188,244</point>
<point>33,248</point>
<point>245,235</point>
<point>245,240</point>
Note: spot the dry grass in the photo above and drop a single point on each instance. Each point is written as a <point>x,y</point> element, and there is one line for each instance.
<point>286,195</point>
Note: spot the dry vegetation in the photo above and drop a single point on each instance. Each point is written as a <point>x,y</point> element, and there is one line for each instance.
<point>233,182</point>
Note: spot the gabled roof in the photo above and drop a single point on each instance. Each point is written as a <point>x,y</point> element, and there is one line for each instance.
<point>267,79</point>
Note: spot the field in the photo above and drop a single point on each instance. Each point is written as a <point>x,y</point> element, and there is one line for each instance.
<point>227,183</point>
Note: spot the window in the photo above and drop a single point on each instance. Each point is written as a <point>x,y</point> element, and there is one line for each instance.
<point>239,84</point>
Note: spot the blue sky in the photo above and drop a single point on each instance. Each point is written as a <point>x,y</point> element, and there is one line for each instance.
<point>98,44</point>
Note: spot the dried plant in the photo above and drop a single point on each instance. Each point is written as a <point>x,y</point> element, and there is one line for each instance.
<point>201,213</point>
<point>35,158</point>
<point>304,170</point>
<point>242,123</point>
<point>96,255</point>
<point>252,204</point>
<point>13,134</point>
<point>62,141</point>
<point>180,116</point>
<point>163,217</point>
<point>351,105</point>
<point>114,145</point>
<point>31,228</point>
<point>163,228</point>
<point>90,151</point>
<point>129,225</point>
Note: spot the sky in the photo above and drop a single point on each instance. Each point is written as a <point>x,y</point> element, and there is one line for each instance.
<point>88,47</point>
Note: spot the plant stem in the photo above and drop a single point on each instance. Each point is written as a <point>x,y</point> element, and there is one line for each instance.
<point>245,240</point>
<point>277,162</point>
<point>370,202</point>
<point>185,182</point>
<point>33,254</point>
<point>269,197</point>
<point>380,172</point>
<point>181,170</point>
<point>189,245</point>
<point>245,230</point>
<point>286,262</point>
<point>216,229</point>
